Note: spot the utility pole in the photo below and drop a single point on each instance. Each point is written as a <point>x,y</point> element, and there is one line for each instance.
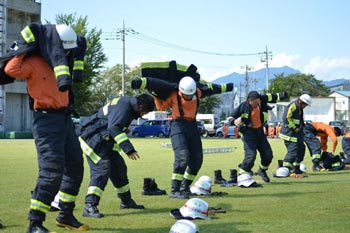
<point>265,58</point>
<point>247,69</point>
<point>121,35</point>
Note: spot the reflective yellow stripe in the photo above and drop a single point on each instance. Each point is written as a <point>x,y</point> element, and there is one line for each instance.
<point>336,164</point>
<point>116,147</point>
<point>88,151</point>
<point>287,164</point>
<point>121,138</point>
<point>288,138</point>
<point>316,156</point>
<point>244,115</point>
<point>296,164</point>
<point>65,197</point>
<point>144,83</point>
<point>114,101</point>
<point>95,190</point>
<point>269,97</point>
<point>263,167</point>
<point>38,205</point>
<point>28,35</point>
<point>223,87</point>
<point>189,176</point>
<point>61,70</point>
<point>241,171</point>
<point>181,67</point>
<point>278,97</point>
<point>145,65</point>
<point>176,176</point>
<point>123,189</point>
<point>78,65</point>
<point>210,86</point>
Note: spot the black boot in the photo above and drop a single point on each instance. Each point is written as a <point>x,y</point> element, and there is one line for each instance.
<point>279,163</point>
<point>92,211</point>
<point>150,187</point>
<point>175,190</point>
<point>127,202</point>
<point>316,165</point>
<point>66,219</point>
<point>263,174</point>
<point>37,227</point>
<point>233,176</point>
<point>218,177</point>
<point>185,187</point>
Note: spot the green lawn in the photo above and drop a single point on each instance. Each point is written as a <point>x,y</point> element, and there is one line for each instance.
<point>318,203</point>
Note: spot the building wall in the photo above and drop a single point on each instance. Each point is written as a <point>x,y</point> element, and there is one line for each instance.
<point>15,114</point>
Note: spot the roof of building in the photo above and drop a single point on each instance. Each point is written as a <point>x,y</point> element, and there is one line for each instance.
<point>343,93</point>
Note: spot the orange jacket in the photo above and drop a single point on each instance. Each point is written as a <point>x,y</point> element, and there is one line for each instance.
<point>41,81</point>
<point>324,131</point>
<point>189,107</point>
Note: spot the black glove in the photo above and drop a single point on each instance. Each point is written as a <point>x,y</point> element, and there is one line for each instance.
<point>229,87</point>
<point>283,95</point>
<point>64,83</point>
<point>136,83</point>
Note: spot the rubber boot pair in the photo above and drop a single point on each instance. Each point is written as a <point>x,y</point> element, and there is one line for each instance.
<point>150,187</point>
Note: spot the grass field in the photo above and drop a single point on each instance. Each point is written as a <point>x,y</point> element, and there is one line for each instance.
<point>318,203</point>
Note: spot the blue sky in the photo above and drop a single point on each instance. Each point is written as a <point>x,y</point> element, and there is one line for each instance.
<point>312,36</point>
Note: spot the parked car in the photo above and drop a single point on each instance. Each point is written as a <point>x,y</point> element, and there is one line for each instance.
<point>156,128</point>
<point>339,127</point>
<point>231,131</point>
<point>201,128</point>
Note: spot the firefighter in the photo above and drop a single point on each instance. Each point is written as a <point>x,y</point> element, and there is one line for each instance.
<point>292,134</point>
<point>225,130</point>
<point>185,139</point>
<point>313,130</point>
<point>59,153</point>
<point>103,136</point>
<point>250,117</point>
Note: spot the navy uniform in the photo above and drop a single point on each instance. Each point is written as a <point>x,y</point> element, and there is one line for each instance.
<point>102,137</point>
<point>251,116</point>
<point>59,153</point>
<point>292,134</point>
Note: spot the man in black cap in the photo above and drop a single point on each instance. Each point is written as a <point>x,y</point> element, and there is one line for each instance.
<point>250,118</point>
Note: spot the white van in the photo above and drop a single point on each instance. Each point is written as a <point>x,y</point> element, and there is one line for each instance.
<point>210,121</point>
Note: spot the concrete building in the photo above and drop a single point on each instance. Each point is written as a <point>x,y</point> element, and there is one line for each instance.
<point>15,115</point>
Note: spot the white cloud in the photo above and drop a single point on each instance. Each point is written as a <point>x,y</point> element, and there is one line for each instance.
<point>328,69</point>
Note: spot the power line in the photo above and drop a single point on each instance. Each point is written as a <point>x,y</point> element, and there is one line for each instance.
<point>158,42</point>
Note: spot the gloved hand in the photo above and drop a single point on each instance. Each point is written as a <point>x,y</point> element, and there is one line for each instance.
<point>136,83</point>
<point>229,87</point>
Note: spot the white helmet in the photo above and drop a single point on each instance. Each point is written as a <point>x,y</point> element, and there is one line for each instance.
<point>206,178</point>
<point>201,187</point>
<point>306,99</point>
<point>184,226</point>
<point>67,36</point>
<point>187,86</point>
<point>303,167</point>
<point>282,172</point>
<point>245,180</point>
<point>195,208</point>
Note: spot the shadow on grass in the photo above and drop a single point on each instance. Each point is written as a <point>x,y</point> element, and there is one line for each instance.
<point>204,226</point>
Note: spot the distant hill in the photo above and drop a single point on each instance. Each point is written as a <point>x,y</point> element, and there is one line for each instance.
<point>259,76</point>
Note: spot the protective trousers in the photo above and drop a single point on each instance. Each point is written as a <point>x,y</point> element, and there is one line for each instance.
<point>254,140</point>
<point>313,144</point>
<point>345,143</point>
<point>111,166</point>
<point>60,162</point>
<point>187,146</point>
<point>295,151</point>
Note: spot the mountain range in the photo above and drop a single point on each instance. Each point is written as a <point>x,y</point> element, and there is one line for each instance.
<point>257,79</point>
